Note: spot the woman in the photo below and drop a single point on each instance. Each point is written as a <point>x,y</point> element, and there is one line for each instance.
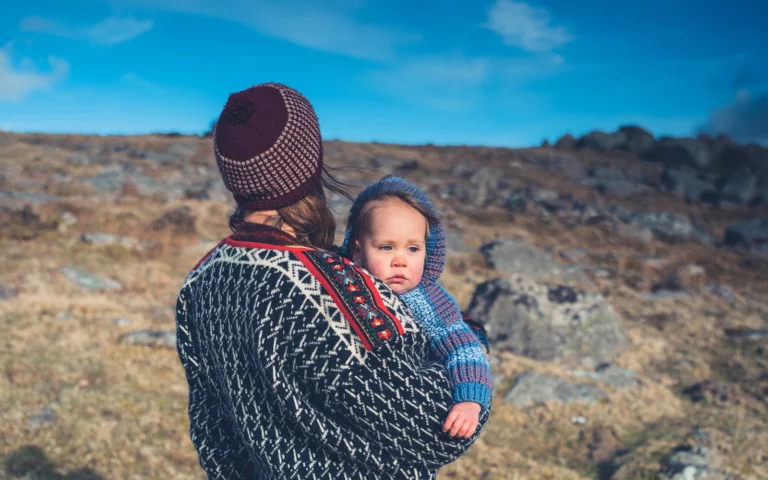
<point>299,364</point>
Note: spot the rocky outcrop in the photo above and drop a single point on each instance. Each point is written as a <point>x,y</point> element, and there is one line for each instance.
<point>548,321</point>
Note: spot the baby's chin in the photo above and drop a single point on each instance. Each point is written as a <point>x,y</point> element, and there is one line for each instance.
<point>400,288</point>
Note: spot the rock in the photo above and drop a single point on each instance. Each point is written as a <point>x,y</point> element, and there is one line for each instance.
<point>46,417</point>
<point>213,189</point>
<point>709,390</point>
<point>7,293</point>
<point>548,322</point>
<point>579,420</point>
<point>604,445</point>
<point>89,281</point>
<point>601,141</point>
<point>573,255</point>
<point>670,227</point>
<point>621,188</point>
<point>635,232</point>
<point>611,375</point>
<point>18,201</point>
<point>690,186</point>
<point>68,219</point>
<point>484,187</point>
<point>748,233</point>
<point>747,333</point>
<point>179,220</point>
<point>677,152</point>
<point>690,462</point>
<point>408,165</point>
<point>566,142</point>
<point>110,180</point>
<point>150,338</point>
<point>661,295</point>
<point>121,322</point>
<point>638,140</point>
<point>108,239</point>
<point>532,388</point>
<point>79,158</point>
<point>175,154</point>
<point>518,257</point>
<point>23,224</point>
<point>720,290</point>
<point>454,242</point>
<point>739,186</point>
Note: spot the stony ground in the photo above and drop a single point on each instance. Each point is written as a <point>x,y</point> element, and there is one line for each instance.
<point>80,399</point>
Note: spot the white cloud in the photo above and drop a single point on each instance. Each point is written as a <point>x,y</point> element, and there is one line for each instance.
<point>17,81</point>
<point>316,25</point>
<point>133,80</point>
<point>456,83</point>
<point>527,27</point>
<point>110,31</point>
<point>442,83</point>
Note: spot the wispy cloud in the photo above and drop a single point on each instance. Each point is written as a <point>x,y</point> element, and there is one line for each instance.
<point>110,31</point>
<point>134,80</point>
<point>442,83</point>
<point>525,26</point>
<point>459,82</point>
<point>19,80</point>
<point>317,25</point>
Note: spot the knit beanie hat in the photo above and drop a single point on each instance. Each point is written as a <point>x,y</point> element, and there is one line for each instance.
<point>268,147</point>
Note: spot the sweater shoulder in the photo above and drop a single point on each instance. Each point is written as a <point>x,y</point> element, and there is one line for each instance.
<point>372,310</point>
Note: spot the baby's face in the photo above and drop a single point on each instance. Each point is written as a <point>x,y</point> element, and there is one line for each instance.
<point>394,248</point>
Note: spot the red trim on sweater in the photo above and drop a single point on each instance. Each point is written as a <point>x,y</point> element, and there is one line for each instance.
<point>379,301</point>
<point>351,318</point>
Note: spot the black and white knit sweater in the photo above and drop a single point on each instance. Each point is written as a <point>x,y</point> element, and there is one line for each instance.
<point>301,366</point>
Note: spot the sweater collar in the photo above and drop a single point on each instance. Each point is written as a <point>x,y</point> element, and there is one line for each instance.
<point>260,233</point>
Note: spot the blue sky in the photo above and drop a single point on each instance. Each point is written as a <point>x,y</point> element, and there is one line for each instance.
<point>494,72</point>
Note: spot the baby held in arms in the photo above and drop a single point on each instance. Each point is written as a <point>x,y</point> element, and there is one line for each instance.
<point>395,233</point>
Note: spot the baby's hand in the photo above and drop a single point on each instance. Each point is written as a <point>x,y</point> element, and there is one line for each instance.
<point>463,419</point>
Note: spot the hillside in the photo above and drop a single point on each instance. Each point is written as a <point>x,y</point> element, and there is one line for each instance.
<point>622,280</point>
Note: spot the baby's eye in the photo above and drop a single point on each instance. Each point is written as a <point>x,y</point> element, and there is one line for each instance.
<point>386,248</point>
<point>413,249</point>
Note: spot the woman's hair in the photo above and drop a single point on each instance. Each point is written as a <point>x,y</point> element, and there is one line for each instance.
<point>310,218</point>
<point>362,221</point>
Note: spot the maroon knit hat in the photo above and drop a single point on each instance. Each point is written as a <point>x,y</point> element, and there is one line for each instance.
<point>268,147</point>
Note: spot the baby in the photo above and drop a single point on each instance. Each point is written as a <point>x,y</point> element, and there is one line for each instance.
<point>394,232</point>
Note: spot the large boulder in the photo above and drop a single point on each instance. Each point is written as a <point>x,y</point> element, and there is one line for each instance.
<point>601,141</point>
<point>520,258</point>
<point>610,179</point>
<point>566,142</point>
<point>686,151</point>
<point>638,140</point>
<point>669,226</point>
<point>749,233</point>
<point>531,388</point>
<point>689,185</point>
<point>739,186</point>
<point>548,322</point>
<point>479,188</point>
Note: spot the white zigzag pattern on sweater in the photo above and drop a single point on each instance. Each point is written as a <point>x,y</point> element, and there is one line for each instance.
<point>290,266</point>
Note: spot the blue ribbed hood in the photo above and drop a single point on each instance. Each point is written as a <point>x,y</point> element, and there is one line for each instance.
<point>435,260</point>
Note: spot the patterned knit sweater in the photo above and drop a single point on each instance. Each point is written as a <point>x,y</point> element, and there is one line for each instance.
<point>301,366</point>
<point>458,345</point>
